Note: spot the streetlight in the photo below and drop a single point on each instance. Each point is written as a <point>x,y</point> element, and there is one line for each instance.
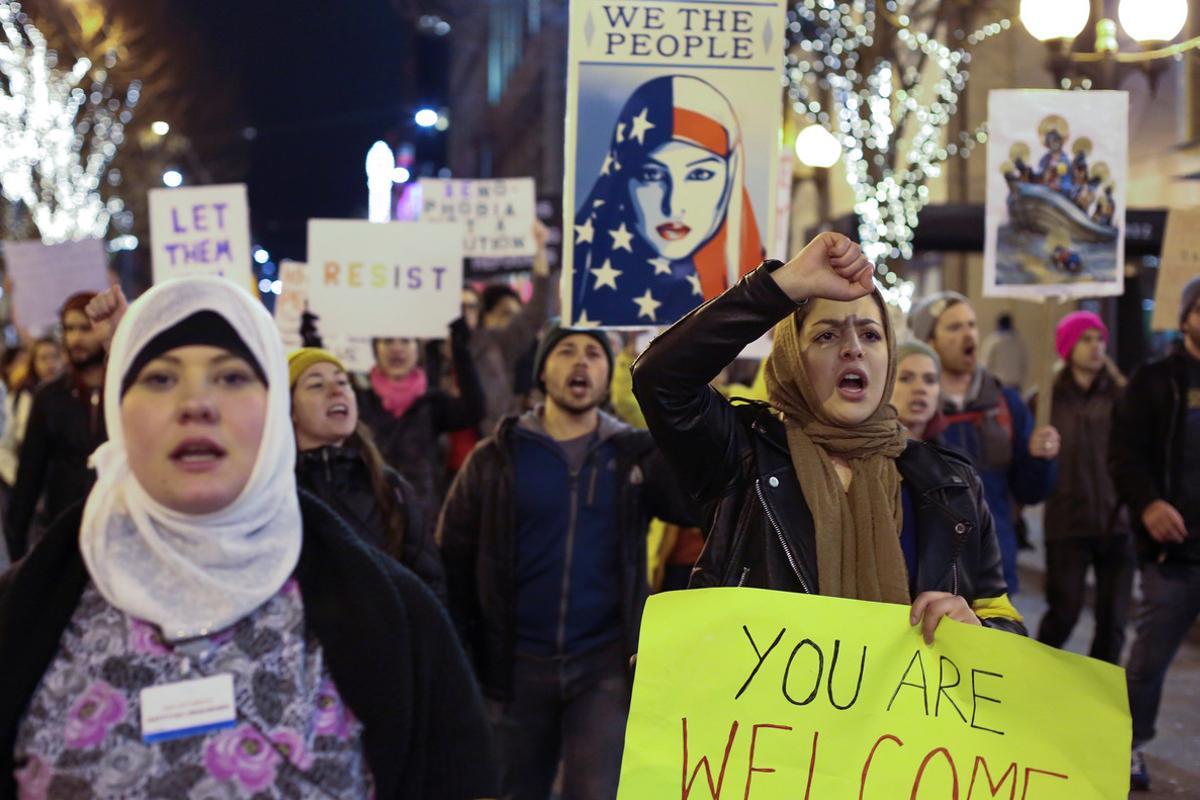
<point>1153,20</point>
<point>1048,20</point>
<point>816,147</point>
<point>426,117</point>
<point>160,128</point>
<point>172,178</point>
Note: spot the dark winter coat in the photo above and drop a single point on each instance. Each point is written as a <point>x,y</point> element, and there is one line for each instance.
<point>339,476</point>
<point>1145,451</point>
<point>477,535</point>
<point>762,532</point>
<point>390,647</point>
<point>66,425</point>
<point>409,444</point>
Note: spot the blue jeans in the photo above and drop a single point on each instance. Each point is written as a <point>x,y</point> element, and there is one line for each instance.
<point>1170,605</point>
<point>569,707</point>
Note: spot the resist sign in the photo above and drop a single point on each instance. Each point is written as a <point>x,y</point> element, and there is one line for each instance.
<point>747,693</point>
<point>384,279</point>
<point>201,230</point>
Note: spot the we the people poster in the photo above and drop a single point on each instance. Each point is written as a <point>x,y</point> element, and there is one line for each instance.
<point>1057,175</point>
<point>672,147</point>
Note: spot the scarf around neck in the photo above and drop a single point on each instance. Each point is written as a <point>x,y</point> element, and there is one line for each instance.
<point>193,574</point>
<point>857,530</point>
<point>399,394</point>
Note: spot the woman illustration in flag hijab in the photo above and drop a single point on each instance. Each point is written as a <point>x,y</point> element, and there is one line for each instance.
<point>668,223</point>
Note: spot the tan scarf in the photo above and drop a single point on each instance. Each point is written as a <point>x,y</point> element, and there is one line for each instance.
<point>858,531</point>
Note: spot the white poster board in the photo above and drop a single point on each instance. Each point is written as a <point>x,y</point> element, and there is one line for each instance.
<point>1180,263</point>
<point>497,214</point>
<point>41,277</point>
<point>370,279</point>
<point>672,154</point>
<point>1057,173</point>
<point>355,353</point>
<point>201,230</point>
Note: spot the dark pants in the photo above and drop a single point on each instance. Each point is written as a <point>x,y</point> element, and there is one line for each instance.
<point>573,708</point>
<point>1170,605</point>
<point>1067,564</point>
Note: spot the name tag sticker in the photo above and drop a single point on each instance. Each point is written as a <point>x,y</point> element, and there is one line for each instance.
<point>187,708</point>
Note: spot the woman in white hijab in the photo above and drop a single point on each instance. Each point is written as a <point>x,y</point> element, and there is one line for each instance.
<point>200,630</point>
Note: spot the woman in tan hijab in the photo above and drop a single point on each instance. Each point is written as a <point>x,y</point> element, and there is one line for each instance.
<point>821,491</point>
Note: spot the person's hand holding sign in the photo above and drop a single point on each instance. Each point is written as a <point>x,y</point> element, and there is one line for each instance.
<point>831,266</point>
<point>929,608</point>
<point>541,235</point>
<point>105,312</point>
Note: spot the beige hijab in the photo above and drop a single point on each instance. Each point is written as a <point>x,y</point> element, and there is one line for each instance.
<point>857,530</point>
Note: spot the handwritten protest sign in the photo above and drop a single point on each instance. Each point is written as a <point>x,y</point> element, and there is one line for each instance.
<point>42,276</point>
<point>201,230</point>
<point>497,214</point>
<point>355,353</point>
<point>384,279</point>
<point>671,154</point>
<point>1180,263</point>
<point>745,693</point>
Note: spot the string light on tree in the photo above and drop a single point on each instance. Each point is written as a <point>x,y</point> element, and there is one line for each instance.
<point>877,77</point>
<point>57,139</point>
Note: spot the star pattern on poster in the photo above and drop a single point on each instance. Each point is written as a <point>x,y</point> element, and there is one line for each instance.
<point>622,238</point>
<point>647,306</point>
<point>585,232</point>
<point>607,165</point>
<point>694,280</point>
<point>606,276</point>
<point>641,124</point>
<point>620,132</point>
<point>661,265</point>
<point>583,322</point>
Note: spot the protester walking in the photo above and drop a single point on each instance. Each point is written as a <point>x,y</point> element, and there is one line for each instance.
<point>822,491</point>
<point>987,422</point>
<point>339,463</point>
<point>1154,456</point>
<point>1082,527</point>
<point>544,540</point>
<point>332,670</point>
<point>66,424</point>
<point>406,415</point>
<point>918,390</point>
<point>45,364</point>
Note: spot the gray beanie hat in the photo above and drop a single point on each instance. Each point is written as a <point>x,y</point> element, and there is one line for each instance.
<point>924,315</point>
<point>1191,293</point>
<point>913,347</point>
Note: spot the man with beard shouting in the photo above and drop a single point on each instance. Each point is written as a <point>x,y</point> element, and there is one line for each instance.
<point>987,422</point>
<point>543,536</point>
<point>66,424</point>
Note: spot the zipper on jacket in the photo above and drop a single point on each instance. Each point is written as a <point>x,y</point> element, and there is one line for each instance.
<point>563,601</point>
<point>328,469</point>
<point>787,550</point>
<point>745,574</point>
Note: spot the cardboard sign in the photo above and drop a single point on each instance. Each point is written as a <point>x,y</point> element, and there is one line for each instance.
<point>355,353</point>
<point>1058,165</point>
<point>1179,264</point>
<point>672,154</point>
<point>747,693</point>
<point>497,214</point>
<point>42,276</point>
<point>372,279</point>
<point>201,230</point>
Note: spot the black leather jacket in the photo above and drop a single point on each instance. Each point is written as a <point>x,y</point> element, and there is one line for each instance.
<point>339,476</point>
<point>761,532</point>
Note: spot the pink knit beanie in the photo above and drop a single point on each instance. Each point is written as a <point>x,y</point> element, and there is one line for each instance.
<point>1071,327</point>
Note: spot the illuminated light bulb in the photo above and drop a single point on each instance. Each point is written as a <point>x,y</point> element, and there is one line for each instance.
<point>160,128</point>
<point>1153,20</point>
<point>816,147</point>
<point>426,117</point>
<point>172,178</point>
<point>1055,19</point>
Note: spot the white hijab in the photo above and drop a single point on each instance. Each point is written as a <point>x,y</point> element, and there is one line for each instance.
<point>193,574</point>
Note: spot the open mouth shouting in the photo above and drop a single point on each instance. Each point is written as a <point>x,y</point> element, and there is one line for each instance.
<point>338,411</point>
<point>852,384</point>
<point>198,454</point>
<point>673,231</point>
<point>918,406</point>
<point>579,385</point>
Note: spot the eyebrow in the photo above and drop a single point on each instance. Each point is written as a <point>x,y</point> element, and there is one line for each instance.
<point>218,359</point>
<point>837,323</point>
<point>704,160</point>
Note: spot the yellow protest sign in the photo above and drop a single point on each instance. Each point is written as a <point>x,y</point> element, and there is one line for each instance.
<point>746,693</point>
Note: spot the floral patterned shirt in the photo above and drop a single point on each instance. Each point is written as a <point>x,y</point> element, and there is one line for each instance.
<point>80,738</point>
